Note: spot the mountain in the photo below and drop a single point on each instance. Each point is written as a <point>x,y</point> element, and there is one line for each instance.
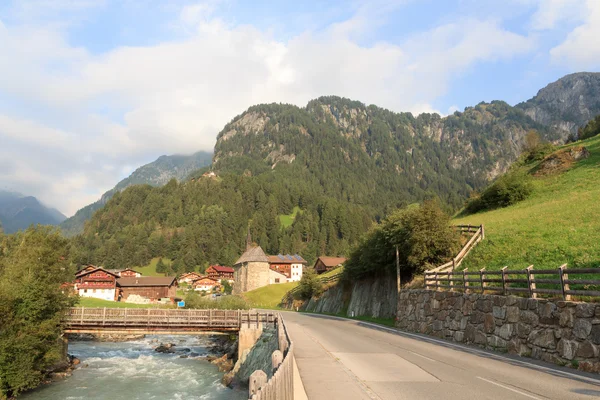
<point>340,163</point>
<point>156,173</point>
<point>18,212</point>
<point>567,104</point>
<point>374,157</point>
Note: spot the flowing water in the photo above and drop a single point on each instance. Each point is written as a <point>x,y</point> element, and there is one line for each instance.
<point>133,370</point>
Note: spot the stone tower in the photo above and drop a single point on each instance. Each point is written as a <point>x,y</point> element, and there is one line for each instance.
<point>251,271</point>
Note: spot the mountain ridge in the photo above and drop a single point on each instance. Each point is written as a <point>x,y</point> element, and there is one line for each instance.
<point>18,211</point>
<point>156,173</point>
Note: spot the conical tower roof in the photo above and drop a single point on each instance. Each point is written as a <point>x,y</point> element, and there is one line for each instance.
<point>253,254</point>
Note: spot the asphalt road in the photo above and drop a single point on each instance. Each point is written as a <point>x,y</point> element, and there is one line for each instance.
<point>343,359</point>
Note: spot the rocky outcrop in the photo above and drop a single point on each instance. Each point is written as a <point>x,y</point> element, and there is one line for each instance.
<point>566,104</point>
<point>560,332</point>
<point>561,160</point>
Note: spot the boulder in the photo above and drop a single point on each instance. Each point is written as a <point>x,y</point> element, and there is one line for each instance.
<point>499,312</point>
<point>165,348</point>
<point>585,310</point>
<point>512,314</point>
<point>567,348</point>
<point>582,328</point>
<point>587,350</point>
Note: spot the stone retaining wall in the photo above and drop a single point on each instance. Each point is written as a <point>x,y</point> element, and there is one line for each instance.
<point>560,332</point>
<point>372,297</point>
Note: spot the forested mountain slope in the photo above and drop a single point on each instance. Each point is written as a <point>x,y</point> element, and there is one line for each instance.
<point>342,163</point>
<point>156,173</point>
<point>18,212</point>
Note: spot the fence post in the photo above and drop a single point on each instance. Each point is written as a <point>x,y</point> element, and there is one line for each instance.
<point>465,283</point>
<point>482,232</point>
<point>104,316</point>
<point>564,286</point>
<point>450,283</point>
<point>210,317</point>
<point>125,319</point>
<point>148,317</point>
<point>504,280</point>
<point>82,311</point>
<point>481,278</point>
<point>531,282</point>
<point>437,283</point>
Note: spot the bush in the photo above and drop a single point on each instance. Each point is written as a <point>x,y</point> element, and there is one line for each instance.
<point>423,235</point>
<point>310,285</point>
<point>590,130</point>
<point>505,191</point>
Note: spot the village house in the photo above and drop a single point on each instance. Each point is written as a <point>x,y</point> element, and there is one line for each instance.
<point>96,282</point>
<point>290,266</point>
<point>277,277</point>
<point>206,284</point>
<point>189,277</point>
<point>324,263</point>
<point>125,273</point>
<point>220,273</point>
<point>152,288</point>
<point>251,270</point>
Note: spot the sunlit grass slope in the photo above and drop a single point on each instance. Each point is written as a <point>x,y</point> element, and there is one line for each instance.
<point>559,223</point>
<point>270,296</point>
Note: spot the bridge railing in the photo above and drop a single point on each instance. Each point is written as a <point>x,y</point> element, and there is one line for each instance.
<point>281,384</point>
<point>161,318</point>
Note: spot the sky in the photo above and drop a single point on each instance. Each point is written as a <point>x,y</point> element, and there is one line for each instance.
<point>92,89</point>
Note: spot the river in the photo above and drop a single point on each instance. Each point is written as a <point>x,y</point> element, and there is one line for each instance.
<point>133,370</point>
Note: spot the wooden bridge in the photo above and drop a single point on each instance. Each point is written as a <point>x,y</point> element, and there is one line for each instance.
<point>160,321</point>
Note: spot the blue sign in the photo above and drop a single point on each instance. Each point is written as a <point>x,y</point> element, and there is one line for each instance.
<point>181,303</point>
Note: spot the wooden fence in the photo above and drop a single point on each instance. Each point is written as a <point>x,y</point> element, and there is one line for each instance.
<point>97,318</point>
<point>559,282</point>
<point>478,234</point>
<point>324,280</point>
<point>281,384</point>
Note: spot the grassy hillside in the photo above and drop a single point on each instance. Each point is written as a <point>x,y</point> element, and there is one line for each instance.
<point>150,269</point>
<point>557,224</point>
<point>270,296</point>
<point>288,220</point>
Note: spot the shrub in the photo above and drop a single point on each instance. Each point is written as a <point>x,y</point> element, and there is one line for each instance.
<point>423,235</point>
<point>590,130</point>
<point>505,191</point>
<point>310,285</point>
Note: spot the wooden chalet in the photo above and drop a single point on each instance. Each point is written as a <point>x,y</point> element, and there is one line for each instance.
<point>288,265</point>
<point>96,282</point>
<point>206,284</point>
<point>152,288</point>
<point>220,272</point>
<point>324,263</point>
<point>126,273</point>
<point>189,277</point>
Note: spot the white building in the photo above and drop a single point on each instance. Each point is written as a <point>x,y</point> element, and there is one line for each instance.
<point>291,266</point>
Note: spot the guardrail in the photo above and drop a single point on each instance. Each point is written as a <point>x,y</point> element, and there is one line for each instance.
<point>553,282</point>
<point>98,318</point>
<point>281,384</point>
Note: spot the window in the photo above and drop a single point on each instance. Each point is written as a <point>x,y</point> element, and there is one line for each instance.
<point>84,290</point>
<point>276,280</point>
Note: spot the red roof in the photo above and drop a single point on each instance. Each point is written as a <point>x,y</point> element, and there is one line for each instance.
<point>332,261</point>
<point>220,268</point>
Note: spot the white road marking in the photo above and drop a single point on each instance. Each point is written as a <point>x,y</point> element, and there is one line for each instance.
<point>422,356</point>
<point>509,388</point>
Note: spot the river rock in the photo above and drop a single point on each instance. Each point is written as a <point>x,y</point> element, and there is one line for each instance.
<point>582,328</point>
<point>165,348</point>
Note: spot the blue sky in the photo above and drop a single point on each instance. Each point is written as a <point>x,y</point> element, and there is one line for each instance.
<point>92,89</point>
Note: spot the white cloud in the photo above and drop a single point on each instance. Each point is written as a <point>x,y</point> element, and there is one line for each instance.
<point>581,50</point>
<point>551,12</point>
<point>104,112</point>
